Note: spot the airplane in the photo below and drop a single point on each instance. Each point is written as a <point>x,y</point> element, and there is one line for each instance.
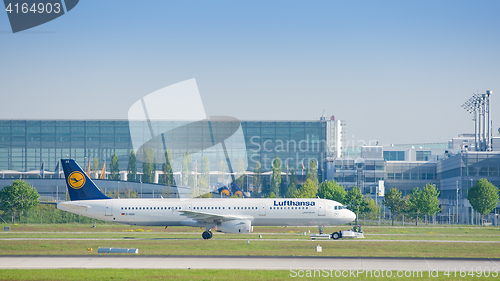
<point>238,191</point>
<point>227,215</point>
<point>224,191</point>
<point>227,192</point>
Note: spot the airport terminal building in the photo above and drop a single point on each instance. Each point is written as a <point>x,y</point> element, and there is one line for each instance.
<point>26,144</point>
<point>453,166</point>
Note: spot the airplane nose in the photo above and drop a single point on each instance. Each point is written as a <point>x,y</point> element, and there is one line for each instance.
<point>351,215</point>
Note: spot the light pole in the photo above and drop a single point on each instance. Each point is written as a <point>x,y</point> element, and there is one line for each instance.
<point>471,209</point>
<point>457,202</point>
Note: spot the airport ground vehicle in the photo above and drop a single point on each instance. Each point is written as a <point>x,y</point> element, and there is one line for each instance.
<point>355,232</point>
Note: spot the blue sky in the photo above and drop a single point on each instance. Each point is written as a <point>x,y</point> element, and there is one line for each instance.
<point>395,71</point>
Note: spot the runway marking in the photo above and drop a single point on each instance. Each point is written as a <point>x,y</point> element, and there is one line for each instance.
<point>242,239</point>
<point>237,262</point>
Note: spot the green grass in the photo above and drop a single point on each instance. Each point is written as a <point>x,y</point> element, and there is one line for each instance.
<point>195,274</point>
<point>258,248</point>
<point>187,241</point>
<point>116,231</point>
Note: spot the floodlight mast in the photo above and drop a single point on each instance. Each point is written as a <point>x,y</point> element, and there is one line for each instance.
<point>479,105</point>
<point>489,132</point>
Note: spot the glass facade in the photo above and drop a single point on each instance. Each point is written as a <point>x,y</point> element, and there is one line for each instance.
<point>422,155</point>
<point>394,155</point>
<point>25,144</point>
<point>363,173</point>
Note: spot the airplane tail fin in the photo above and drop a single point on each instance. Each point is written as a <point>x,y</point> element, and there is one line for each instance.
<point>225,191</point>
<point>80,186</point>
<point>238,191</point>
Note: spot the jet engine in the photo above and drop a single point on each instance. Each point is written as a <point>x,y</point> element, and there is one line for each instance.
<point>236,226</point>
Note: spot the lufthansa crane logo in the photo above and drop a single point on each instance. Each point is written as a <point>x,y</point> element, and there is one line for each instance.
<point>76,180</point>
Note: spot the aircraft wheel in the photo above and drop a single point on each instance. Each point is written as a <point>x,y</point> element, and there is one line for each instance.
<point>335,235</point>
<point>206,235</point>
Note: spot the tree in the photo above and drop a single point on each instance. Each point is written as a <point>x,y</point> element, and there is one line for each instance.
<point>371,208</point>
<point>292,186</point>
<point>168,177</point>
<point>204,180</point>
<point>483,197</point>
<point>18,197</point>
<point>394,201</point>
<point>271,195</point>
<point>95,167</point>
<point>307,190</point>
<point>148,166</point>
<point>331,190</point>
<point>257,178</point>
<point>355,201</point>
<point>222,172</point>
<point>312,172</point>
<point>132,167</point>
<point>415,204</point>
<point>276,176</point>
<point>187,167</point>
<point>429,200</point>
<point>123,193</point>
<point>115,170</point>
<point>241,173</point>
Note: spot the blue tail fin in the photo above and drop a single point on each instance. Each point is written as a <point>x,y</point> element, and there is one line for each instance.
<point>80,186</point>
<point>238,191</point>
<point>225,191</point>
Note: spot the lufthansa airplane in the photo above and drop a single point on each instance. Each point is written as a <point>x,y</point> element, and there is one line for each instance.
<point>228,215</point>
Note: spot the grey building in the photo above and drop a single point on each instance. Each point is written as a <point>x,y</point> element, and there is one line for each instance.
<point>458,173</point>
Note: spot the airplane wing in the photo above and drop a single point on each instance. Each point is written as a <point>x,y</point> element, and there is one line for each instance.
<point>208,217</point>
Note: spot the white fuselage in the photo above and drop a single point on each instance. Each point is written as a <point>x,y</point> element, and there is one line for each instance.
<point>169,212</point>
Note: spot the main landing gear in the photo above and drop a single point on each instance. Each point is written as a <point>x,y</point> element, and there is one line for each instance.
<point>207,234</point>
